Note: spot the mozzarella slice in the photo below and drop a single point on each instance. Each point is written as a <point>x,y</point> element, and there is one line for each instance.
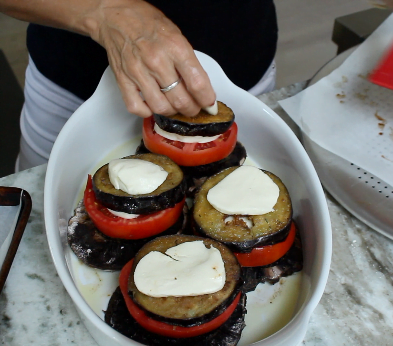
<point>213,109</point>
<point>245,191</point>
<point>184,139</point>
<point>188,269</point>
<point>136,176</point>
<point>123,215</point>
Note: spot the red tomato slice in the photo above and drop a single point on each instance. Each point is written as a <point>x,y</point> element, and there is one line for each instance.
<point>265,255</point>
<point>143,226</point>
<point>189,154</point>
<point>163,328</point>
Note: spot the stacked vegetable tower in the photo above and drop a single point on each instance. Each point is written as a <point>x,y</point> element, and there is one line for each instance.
<point>127,203</point>
<point>201,146</point>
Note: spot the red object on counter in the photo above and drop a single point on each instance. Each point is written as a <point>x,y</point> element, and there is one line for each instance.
<point>383,73</point>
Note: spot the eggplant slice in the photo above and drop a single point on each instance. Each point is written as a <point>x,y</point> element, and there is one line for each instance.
<point>269,227</point>
<point>203,124</point>
<point>228,334</point>
<point>165,196</point>
<point>97,250</point>
<point>193,310</point>
<point>290,263</point>
<point>197,175</point>
<point>191,322</point>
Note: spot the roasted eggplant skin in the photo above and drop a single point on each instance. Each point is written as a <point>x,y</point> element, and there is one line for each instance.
<point>248,245</point>
<point>269,227</point>
<point>236,158</point>
<point>97,250</point>
<point>171,192</point>
<point>203,124</point>
<point>228,334</point>
<point>203,319</point>
<point>194,310</point>
<point>290,263</point>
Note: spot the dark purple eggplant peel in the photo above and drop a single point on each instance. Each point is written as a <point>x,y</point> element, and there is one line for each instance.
<point>203,124</point>
<point>97,250</point>
<point>287,265</point>
<point>228,334</point>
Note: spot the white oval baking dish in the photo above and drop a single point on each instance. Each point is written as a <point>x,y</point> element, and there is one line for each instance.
<point>103,124</point>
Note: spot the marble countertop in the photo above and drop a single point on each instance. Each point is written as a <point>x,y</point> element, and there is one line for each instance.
<point>356,308</point>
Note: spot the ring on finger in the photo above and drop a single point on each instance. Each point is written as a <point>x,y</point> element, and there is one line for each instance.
<point>171,86</point>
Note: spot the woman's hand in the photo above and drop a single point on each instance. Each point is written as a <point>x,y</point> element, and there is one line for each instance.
<point>147,52</point>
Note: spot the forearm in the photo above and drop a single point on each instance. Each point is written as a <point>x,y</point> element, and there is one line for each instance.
<point>75,15</point>
<point>145,49</point>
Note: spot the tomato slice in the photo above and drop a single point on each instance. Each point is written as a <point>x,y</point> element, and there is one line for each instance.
<point>143,226</point>
<point>265,255</point>
<point>189,154</point>
<point>163,328</point>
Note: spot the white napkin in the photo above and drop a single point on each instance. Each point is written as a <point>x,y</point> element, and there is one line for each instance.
<point>348,115</point>
<point>8,220</point>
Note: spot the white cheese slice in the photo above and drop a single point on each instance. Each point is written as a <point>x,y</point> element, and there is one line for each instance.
<point>136,176</point>
<point>188,269</point>
<point>123,215</point>
<point>184,139</point>
<point>245,191</point>
<point>213,109</point>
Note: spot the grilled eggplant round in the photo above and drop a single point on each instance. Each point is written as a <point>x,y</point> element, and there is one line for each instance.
<point>236,234</point>
<point>203,124</point>
<point>188,311</point>
<point>183,311</point>
<point>97,250</point>
<point>165,196</point>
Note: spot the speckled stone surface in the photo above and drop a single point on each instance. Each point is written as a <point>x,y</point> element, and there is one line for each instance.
<point>356,308</point>
<point>35,308</point>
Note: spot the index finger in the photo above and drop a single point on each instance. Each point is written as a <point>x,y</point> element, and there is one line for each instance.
<point>196,80</point>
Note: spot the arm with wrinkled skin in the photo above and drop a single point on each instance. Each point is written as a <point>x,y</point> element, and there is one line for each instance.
<point>145,49</point>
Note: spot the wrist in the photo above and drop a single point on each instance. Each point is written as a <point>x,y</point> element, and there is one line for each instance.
<point>98,12</point>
